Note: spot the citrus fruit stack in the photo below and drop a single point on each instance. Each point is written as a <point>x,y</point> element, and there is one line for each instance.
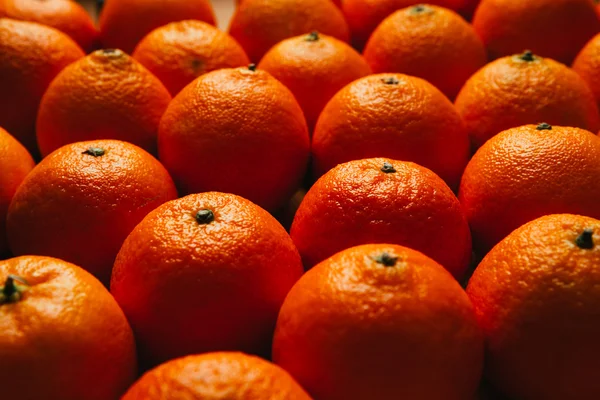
<point>333,200</point>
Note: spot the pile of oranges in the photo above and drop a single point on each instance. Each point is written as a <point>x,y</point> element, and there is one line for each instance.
<point>334,200</point>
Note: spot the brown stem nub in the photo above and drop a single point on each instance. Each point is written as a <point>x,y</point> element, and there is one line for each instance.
<point>585,240</point>
<point>11,292</point>
<point>388,168</point>
<point>386,259</point>
<point>390,80</point>
<point>252,67</point>
<point>544,127</point>
<point>527,56</point>
<point>110,51</point>
<point>205,217</point>
<point>418,9</point>
<point>95,151</point>
<point>312,37</point>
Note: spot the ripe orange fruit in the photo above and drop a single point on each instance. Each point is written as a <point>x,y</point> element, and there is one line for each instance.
<point>314,67</point>
<point>123,23</point>
<point>260,24</point>
<point>217,376</point>
<point>80,203</point>
<point>380,321</point>
<point>364,16</point>
<point>396,116</point>
<point>15,164</point>
<point>106,95</point>
<point>63,336</point>
<point>237,131</point>
<point>556,29</point>
<point>215,266</point>
<point>536,297</point>
<point>587,65</point>
<point>525,89</point>
<point>180,52</point>
<point>430,42</point>
<point>65,15</point>
<point>527,172</point>
<point>382,201</point>
<point>31,55</point>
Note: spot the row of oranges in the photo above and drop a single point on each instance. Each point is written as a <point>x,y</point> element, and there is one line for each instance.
<point>214,271</point>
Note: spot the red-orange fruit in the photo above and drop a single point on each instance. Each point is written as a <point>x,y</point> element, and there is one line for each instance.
<point>106,95</point>
<point>396,116</point>
<point>555,29</point>
<point>31,55</point>
<point>67,16</point>
<point>433,43</point>
<point>207,272</point>
<point>80,203</point>
<point>314,67</point>
<point>180,52</point>
<point>258,25</point>
<point>536,296</point>
<point>527,172</point>
<point>237,131</point>
<point>379,200</point>
<point>380,321</point>
<point>123,23</point>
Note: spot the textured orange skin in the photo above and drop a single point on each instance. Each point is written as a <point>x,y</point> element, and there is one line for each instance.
<point>510,92</point>
<point>15,164</point>
<point>80,208</point>
<point>123,23</point>
<point>66,339</point>
<point>436,44</point>
<point>217,376</point>
<point>410,121</point>
<point>356,203</point>
<point>557,29</point>
<point>314,70</point>
<point>364,16</point>
<point>258,25</point>
<point>102,96</point>
<point>522,174</point>
<point>218,285</point>
<point>65,15</point>
<point>180,52</point>
<point>587,65</point>
<point>352,328</point>
<point>236,131</point>
<point>537,297</point>
<point>31,55</point>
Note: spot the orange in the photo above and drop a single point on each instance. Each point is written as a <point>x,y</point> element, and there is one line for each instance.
<point>180,52</point>
<point>80,203</point>
<point>379,200</point>
<point>536,297</point>
<point>123,23</point>
<point>556,29</point>
<point>260,24</point>
<point>31,55</point>
<point>207,272</point>
<point>63,336</point>
<point>237,131</point>
<point>392,115</point>
<point>314,67</point>
<point>430,42</point>
<point>217,376</point>
<point>380,321</point>
<point>525,89</point>
<point>364,16</point>
<point>587,65</point>
<point>65,15</point>
<point>106,95</point>
<point>15,164</point>
<point>527,172</point>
